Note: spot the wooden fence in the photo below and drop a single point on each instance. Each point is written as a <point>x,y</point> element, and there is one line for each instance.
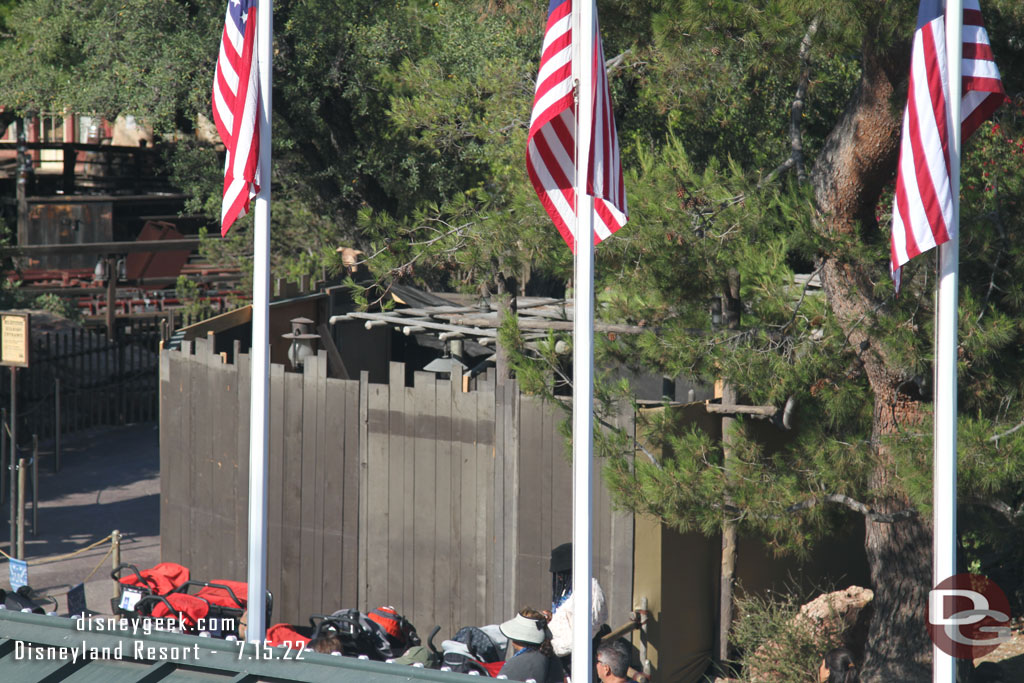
<point>99,381</point>
<point>442,503</point>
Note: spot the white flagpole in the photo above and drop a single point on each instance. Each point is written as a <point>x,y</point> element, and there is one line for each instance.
<point>945,430</point>
<point>583,347</point>
<point>259,408</point>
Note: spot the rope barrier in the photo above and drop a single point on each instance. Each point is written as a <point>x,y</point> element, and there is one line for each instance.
<point>102,560</point>
<point>57,558</point>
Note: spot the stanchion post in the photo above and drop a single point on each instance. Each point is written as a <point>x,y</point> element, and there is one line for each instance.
<point>22,477</point>
<point>56,425</point>
<point>12,433</point>
<point>4,460</point>
<point>115,557</point>
<point>35,484</point>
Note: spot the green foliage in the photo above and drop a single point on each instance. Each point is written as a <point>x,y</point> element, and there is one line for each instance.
<point>57,305</point>
<point>775,643</point>
<point>194,307</point>
<point>400,128</point>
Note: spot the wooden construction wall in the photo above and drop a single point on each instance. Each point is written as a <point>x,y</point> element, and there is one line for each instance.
<point>441,503</point>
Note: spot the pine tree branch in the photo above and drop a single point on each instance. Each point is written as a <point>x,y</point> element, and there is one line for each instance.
<point>995,439</point>
<point>855,505</point>
<point>1002,508</point>
<point>615,62</point>
<point>796,113</point>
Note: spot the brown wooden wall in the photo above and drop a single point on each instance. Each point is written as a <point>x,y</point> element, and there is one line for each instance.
<point>442,503</point>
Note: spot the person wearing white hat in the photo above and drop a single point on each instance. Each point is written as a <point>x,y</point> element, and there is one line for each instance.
<point>532,657</point>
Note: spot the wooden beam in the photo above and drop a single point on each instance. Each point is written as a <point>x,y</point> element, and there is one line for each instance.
<point>756,411</point>
<point>104,248</point>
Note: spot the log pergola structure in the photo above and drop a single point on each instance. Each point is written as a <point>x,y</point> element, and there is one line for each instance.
<point>537,316</point>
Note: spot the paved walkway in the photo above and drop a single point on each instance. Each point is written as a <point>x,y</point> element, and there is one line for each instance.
<point>109,479</point>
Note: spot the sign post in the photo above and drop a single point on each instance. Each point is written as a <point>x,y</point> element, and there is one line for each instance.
<point>15,342</point>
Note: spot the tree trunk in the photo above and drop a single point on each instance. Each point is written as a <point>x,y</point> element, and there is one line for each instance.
<point>900,557</point>
<point>858,158</point>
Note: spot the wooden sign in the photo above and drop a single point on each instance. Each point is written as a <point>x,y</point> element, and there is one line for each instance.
<point>14,339</point>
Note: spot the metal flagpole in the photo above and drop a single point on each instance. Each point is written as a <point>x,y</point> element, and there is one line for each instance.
<point>259,423</point>
<point>945,429</point>
<point>583,347</point>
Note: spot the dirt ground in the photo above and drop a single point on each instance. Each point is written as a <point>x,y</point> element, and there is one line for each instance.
<point>1009,656</point>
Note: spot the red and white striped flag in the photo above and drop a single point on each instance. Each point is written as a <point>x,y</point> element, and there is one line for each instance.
<point>922,214</point>
<point>236,109</point>
<point>550,147</point>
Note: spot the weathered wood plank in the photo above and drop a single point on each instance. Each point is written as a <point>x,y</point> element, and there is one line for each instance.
<point>442,598</point>
<point>485,508</point>
<point>376,500</point>
<point>395,492</point>
<point>240,372</point>
<point>320,493</point>
<point>534,505</point>
<point>291,508</point>
<point>500,573</point>
<point>423,517</point>
<point>175,460</point>
<point>471,562</point>
<point>277,534</point>
<point>332,449</point>
<point>202,535</point>
<point>512,466</point>
<point>309,515</point>
<point>224,391</point>
<point>352,476</point>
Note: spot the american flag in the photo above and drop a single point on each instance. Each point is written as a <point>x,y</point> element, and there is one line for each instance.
<point>550,147</point>
<point>922,214</point>
<point>236,109</point>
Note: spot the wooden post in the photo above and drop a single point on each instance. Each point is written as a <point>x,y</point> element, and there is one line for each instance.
<point>15,463</point>
<point>731,310</point>
<point>12,458</point>
<point>35,484</point>
<point>22,482</point>
<point>111,296</point>
<point>115,558</point>
<point>56,425</point>
<point>4,460</point>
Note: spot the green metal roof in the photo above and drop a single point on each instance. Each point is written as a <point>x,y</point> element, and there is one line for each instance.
<point>44,649</point>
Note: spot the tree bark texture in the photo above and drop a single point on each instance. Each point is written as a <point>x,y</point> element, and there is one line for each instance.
<point>858,159</point>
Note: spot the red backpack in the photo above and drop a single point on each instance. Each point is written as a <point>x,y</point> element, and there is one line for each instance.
<point>400,632</point>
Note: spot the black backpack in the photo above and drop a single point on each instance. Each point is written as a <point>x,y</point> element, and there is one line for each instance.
<point>358,635</point>
<point>19,600</point>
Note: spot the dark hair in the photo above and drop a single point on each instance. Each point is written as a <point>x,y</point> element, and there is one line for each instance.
<point>545,647</point>
<point>615,657</point>
<point>840,665</point>
<point>326,644</point>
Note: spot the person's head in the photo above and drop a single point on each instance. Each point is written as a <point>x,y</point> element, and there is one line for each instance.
<point>612,662</point>
<point>326,644</point>
<point>838,667</point>
<point>561,570</point>
<point>529,628</point>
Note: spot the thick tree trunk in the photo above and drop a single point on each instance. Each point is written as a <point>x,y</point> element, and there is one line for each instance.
<point>899,555</point>
<point>859,157</point>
